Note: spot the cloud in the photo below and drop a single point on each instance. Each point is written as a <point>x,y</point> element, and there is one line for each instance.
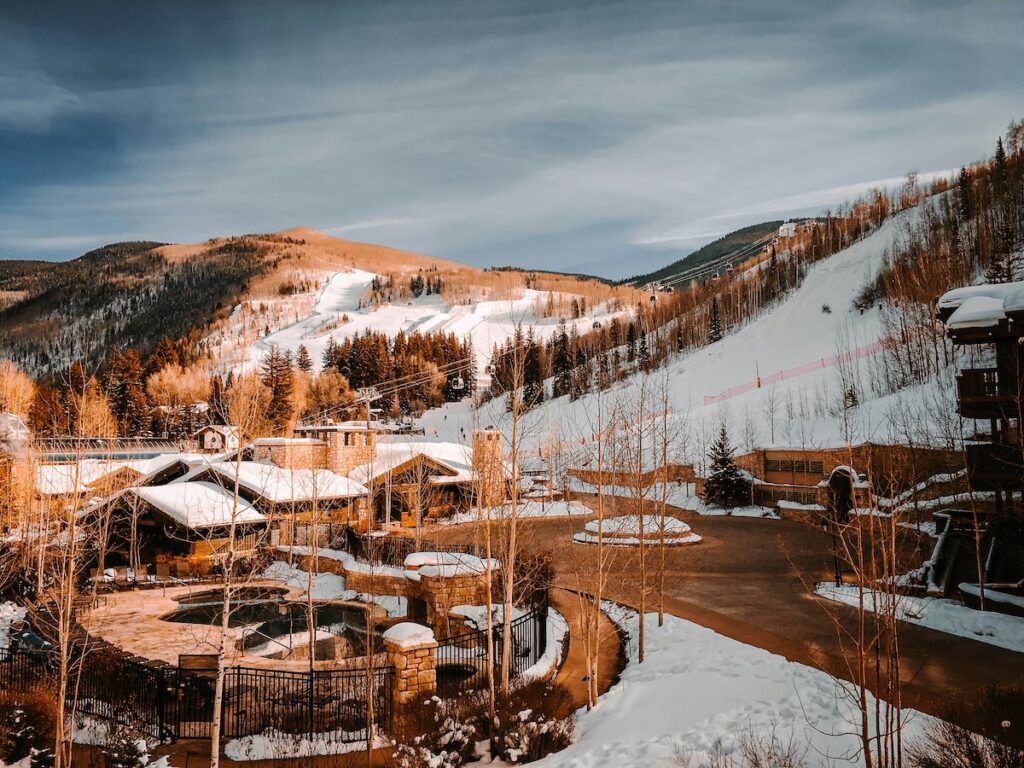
<point>580,136</point>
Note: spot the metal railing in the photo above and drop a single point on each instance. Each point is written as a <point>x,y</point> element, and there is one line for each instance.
<point>462,659</point>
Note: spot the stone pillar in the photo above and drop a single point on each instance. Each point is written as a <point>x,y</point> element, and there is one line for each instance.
<point>412,651</point>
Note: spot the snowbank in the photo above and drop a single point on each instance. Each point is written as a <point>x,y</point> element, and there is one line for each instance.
<point>696,686</point>
<point>943,615</point>
<point>275,745</point>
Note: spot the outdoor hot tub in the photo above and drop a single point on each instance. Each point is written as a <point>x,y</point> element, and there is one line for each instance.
<point>272,626</point>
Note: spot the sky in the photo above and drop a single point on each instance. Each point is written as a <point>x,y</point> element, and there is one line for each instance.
<point>600,137</point>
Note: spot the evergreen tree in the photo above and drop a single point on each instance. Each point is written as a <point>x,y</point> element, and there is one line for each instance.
<point>164,354</point>
<point>714,322</point>
<point>126,392</point>
<point>726,485</point>
<point>561,362</point>
<point>277,374</point>
<point>218,400</point>
<point>303,360</point>
<point>964,198</point>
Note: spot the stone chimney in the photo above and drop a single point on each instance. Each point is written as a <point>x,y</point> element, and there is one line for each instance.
<point>349,448</point>
<point>489,466</point>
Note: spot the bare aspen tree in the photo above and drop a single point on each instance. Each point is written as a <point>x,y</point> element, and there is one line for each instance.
<point>247,404</point>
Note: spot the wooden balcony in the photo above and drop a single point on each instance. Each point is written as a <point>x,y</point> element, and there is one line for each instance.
<point>982,395</point>
<point>995,467</point>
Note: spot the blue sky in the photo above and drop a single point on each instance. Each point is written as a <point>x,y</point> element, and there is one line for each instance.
<point>603,137</point>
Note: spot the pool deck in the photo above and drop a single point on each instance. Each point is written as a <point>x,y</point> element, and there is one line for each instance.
<point>131,620</point>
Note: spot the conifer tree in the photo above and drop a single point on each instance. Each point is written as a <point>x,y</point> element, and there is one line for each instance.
<point>725,485</point>
<point>303,360</point>
<point>561,362</point>
<point>277,375</point>
<point>714,323</point>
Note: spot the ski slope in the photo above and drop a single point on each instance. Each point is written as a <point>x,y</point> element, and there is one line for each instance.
<point>797,332</point>
<point>485,323</point>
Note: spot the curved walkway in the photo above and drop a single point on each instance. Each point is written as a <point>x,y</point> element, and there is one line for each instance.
<point>573,674</point>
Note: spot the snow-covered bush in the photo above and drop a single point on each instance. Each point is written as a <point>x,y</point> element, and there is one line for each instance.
<point>535,721</point>
<point>442,733</point>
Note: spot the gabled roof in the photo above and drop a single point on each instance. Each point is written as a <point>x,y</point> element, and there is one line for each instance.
<point>454,461</point>
<point>198,505</point>
<point>278,485</point>
<point>60,479</point>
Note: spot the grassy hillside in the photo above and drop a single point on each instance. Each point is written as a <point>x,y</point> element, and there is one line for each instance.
<point>713,250</point>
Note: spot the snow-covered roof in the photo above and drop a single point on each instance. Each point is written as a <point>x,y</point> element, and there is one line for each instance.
<point>198,505</point>
<point>457,458</point>
<point>276,484</point>
<point>977,312</point>
<point>950,300</point>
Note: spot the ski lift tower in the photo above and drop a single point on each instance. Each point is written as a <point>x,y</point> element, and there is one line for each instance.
<point>367,395</point>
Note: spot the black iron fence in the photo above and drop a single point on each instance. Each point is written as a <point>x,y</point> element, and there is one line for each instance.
<point>462,659</point>
<point>333,704</point>
<point>115,689</point>
<point>166,703</point>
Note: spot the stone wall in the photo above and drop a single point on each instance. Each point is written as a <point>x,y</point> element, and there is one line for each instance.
<point>442,593</point>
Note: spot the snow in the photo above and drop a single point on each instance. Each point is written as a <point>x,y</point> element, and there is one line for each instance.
<point>277,745</point>
<point>551,659</point>
<point>475,616</point>
<point>696,686</point>
<point>795,334</point>
<point>977,312</point>
<point>10,614</point>
<point>409,635</point>
<point>278,485</point>
<point>448,564</point>
<point>676,532</point>
<point>330,586</point>
<point>484,323</point>
<point>529,508</point>
<point>941,614</point>
<point>993,593</point>
<point>198,504</point>
<point>632,523</point>
<point>326,586</point>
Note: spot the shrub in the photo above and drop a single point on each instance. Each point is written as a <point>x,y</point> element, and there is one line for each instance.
<point>535,721</point>
<point>945,745</point>
<point>764,748</point>
<point>29,719</point>
<point>442,733</point>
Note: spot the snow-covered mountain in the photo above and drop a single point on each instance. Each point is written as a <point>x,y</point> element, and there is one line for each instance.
<point>780,379</point>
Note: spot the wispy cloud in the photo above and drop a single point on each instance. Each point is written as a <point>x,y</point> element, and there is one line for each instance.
<point>582,136</point>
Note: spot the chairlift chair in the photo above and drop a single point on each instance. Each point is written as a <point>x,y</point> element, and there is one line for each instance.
<point>458,384</point>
